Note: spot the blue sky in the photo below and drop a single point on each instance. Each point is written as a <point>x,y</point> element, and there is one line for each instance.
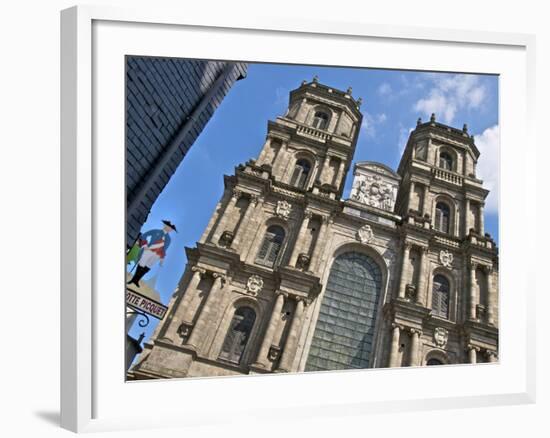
<point>392,102</point>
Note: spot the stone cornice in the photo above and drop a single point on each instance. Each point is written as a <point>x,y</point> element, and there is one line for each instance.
<point>406,313</point>
<point>299,283</point>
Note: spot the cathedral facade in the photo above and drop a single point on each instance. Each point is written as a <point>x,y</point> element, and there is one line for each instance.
<point>288,276</point>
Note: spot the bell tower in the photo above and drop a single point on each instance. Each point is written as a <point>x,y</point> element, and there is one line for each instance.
<point>449,266</point>
<point>440,185</point>
<point>311,146</point>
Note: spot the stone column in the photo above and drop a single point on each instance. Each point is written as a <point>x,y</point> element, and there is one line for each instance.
<point>225,215</point>
<point>492,356</point>
<point>411,195</point>
<point>491,305</point>
<point>180,321</point>
<point>263,153</point>
<point>289,349</point>
<point>210,303</point>
<point>262,359</point>
<point>323,173</point>
<point>467,225</point>
<point>276,156</point>
<point>421,293</point>
<point>191,299</point>
<point>320,243</point>
<point>297,242</point>
<point>243,225</point>
<point>481,220</point>
<point>403,281</point>
<point>473,267</point>
<point>249,230</point>
<point>415,347</point>
<point>338,182</point>
<point>425,204</point>
<point>394,351</point>
<point>472,354</point>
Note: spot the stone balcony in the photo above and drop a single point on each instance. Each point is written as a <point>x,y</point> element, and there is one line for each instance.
<point>447,176</point>
<point>312,133</point>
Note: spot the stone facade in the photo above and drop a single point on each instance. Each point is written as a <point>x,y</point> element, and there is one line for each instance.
<point>262,290</point>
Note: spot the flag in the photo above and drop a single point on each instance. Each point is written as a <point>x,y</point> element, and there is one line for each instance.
<point>132,255</point>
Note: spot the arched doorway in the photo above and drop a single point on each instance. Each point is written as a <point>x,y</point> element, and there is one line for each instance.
<point>344,331</point>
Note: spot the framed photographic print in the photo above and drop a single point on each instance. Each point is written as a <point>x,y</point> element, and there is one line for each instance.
<point>331,219</point>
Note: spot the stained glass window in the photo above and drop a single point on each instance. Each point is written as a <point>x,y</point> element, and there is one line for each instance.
<point>345,328</point>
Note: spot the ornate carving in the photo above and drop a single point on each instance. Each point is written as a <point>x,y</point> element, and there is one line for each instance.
<point>395,325</point>
<point>254,284</point>
<point>226,239</point>
<point>274,353</point>
<point>198,269</point>
<point>303,262</point>
<point>184,331</point>
<point>221,277</point>
<point>389,256</point>
<point>236,194</point>
<point>365,234</point>
<point>415,331</point>
<point>481,311</point>
<point>441,336</point>
<point>283,209</point>
<point>410,292</point>
<point>446,258</point>
<point>373,191</point>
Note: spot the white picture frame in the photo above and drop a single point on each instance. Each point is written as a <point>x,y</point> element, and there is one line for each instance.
<point>94,396</point>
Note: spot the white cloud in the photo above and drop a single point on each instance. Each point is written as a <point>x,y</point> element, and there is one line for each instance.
<point>385,89</point>
<point>488,165</point>
<point>370,122</point>
<point>450,93</point>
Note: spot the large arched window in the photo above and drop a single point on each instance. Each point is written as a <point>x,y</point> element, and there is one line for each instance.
<point>343,337</point>
<point>442,217</point>
<point>434,361</point>
<point>440,296</point>
<point>445,161</point>
<point>238,334</point>
<point>271,246</point>
<point>320,120</point>
<point>300,174</point>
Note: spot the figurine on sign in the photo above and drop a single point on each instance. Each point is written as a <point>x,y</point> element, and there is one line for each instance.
<point>153,245</point>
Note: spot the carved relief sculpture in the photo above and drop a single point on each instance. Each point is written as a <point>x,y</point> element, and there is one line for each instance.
<point>365,234</point>
<point>254,284</point>
<point>283,209</point>
<point>441,336</point>
<point>446,258</point>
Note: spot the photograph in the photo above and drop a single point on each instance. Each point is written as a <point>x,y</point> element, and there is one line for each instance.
<point>286,218</point>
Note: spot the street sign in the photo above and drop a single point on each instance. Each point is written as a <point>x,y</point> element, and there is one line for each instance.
<point>144,304</point>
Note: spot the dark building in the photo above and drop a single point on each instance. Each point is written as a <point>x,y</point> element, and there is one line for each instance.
<point>168,103</point>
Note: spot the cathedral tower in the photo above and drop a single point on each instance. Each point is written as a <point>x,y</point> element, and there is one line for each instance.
<point>448,276</point>
<point>250,281</point>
